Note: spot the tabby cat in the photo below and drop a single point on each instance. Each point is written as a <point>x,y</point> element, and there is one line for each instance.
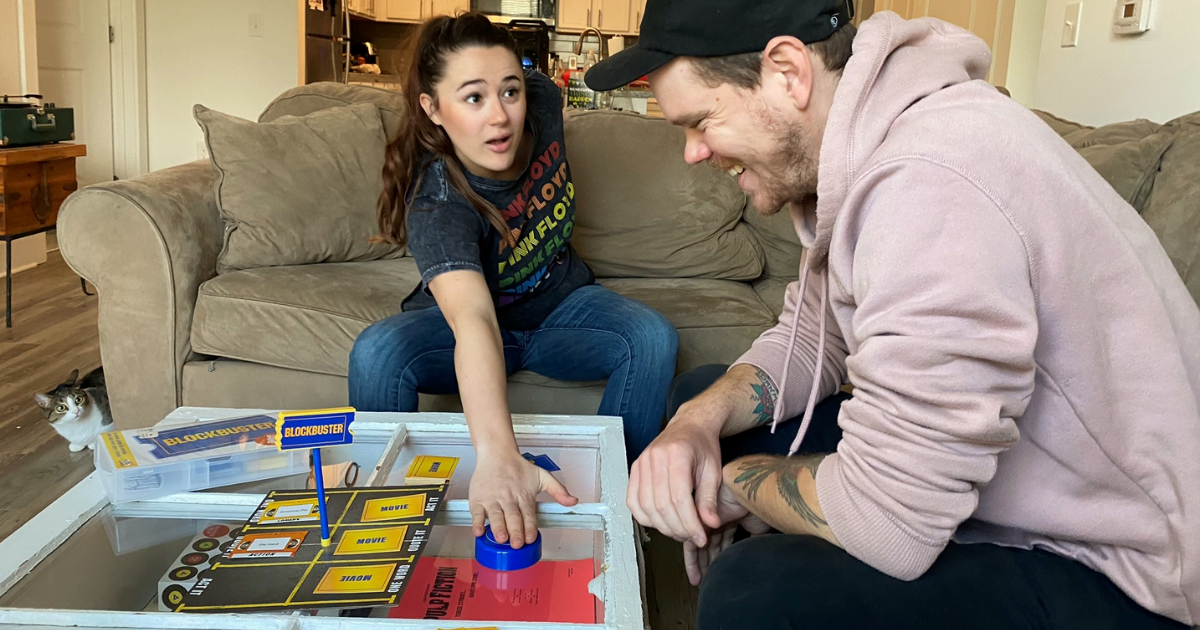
<point>78,409</point>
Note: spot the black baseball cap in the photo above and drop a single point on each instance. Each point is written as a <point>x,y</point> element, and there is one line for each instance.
<point>715,28</point>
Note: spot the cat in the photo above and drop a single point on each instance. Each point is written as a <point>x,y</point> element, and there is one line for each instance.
<point>78,409</point>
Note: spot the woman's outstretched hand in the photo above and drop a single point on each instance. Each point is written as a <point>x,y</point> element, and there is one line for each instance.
<point>504,489</point>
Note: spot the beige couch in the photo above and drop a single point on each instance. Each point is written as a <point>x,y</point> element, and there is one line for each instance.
<point>682,239</point>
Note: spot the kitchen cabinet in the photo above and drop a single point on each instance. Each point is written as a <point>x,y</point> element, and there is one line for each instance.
<point>574,15</point>
<point>405,10</point>
<point>639,9</point>
<point>418,10</point>
<point>450,7</point>
<point>612,17</point>
<point>362,8</point>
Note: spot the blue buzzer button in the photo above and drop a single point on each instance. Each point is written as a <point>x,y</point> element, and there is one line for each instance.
<point>501,557</point>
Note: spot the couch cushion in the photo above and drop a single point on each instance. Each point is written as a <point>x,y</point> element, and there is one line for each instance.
<point>779,241</point>
<point>1185,120</point>
<point>1173,207</point>
<point>313,97</point>
<point>1126,154</point>
<point>304,317</point>
<point>642,212</point>
<point>771,291</point>
<point>244,385</point>
<point>1128,165</point>
<point>696,303</point>
<point>1063,127</point>
<point>307,317</point>
<point>297,190</point>
<point>717,320</point>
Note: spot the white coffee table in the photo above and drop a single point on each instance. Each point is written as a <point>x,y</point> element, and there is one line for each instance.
<point>85,563</point>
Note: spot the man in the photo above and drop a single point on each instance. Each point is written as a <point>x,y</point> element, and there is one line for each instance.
<point>1025,359</point>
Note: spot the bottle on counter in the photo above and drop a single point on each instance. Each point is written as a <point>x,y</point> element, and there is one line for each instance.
<point>579,94</point>
<point>599,100</point>
<point>556,73</point>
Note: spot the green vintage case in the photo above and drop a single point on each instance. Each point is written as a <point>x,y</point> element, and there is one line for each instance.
<point>27,125</point>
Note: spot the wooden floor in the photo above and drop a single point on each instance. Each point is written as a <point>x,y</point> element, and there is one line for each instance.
<point>54,332</point>
<point>670,598</point>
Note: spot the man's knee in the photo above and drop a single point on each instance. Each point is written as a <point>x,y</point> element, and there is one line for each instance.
<point>771,581</point>
<point>688,385</point>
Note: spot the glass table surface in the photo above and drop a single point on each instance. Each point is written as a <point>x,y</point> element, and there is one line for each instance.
<point>111,564</point>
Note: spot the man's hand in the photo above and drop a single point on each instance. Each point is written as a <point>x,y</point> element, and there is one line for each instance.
<point>684,458</point>
<point>696,560</point>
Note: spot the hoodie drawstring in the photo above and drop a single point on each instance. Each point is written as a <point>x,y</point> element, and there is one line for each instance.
<point>787,360</point>
<point>819,364</point>
<point>818,367</point>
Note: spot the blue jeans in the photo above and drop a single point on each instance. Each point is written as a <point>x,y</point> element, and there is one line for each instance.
<point>594,334</point>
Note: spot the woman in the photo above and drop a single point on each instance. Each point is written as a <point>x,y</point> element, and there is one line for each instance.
<point>477,185</point>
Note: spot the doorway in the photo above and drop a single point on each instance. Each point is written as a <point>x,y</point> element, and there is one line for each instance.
<point>991,20</point>
<point>74,71</point>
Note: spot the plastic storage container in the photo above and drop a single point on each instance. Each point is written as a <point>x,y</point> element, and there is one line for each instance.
<point>148,463</point>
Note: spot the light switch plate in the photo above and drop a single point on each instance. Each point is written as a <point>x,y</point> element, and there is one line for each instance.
<point>1070,32</point>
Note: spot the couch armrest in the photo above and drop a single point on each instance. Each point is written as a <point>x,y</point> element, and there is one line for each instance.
<point>146,244</point>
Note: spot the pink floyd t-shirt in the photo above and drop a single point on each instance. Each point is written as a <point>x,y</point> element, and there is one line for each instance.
<point>446,233</point>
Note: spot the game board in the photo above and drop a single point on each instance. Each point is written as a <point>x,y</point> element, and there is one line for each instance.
<point>209,544</point>
<point>277,562</point>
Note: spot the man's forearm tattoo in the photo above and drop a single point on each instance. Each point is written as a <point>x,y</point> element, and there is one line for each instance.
<point>765,396</point>
<point>755,471</point>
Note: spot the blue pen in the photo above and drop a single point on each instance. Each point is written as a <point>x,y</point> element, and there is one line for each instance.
<point>321,509</point>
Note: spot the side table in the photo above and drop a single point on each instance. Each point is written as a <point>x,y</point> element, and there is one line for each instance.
<point>34,181</point>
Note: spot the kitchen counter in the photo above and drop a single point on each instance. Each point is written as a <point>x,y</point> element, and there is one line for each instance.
<point>381,81</point>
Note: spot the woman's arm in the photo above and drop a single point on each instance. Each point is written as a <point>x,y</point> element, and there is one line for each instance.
<point>466,304</point>
<point>505,485</point>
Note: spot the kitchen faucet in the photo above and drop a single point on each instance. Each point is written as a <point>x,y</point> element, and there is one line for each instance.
<point>599,36</point>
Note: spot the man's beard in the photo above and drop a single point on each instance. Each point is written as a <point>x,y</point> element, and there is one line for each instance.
<point>793,171</point>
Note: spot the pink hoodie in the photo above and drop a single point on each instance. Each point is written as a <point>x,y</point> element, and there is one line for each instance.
<point>1026,360</point>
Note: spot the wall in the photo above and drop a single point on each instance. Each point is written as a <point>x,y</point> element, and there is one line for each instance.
<point>1109,78</point>
<point>1025,53</point>
<point>18,75</point>
<point>200,51</point>
<point>10,48</point>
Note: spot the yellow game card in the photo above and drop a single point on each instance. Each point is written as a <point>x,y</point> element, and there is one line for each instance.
<point>375,540</point>
<point>365,579</point>
<point>430,469</point>
<point>393,508</point>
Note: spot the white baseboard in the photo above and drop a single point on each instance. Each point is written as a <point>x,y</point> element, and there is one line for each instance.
<point>17,270</point>
<point>27,253</point>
